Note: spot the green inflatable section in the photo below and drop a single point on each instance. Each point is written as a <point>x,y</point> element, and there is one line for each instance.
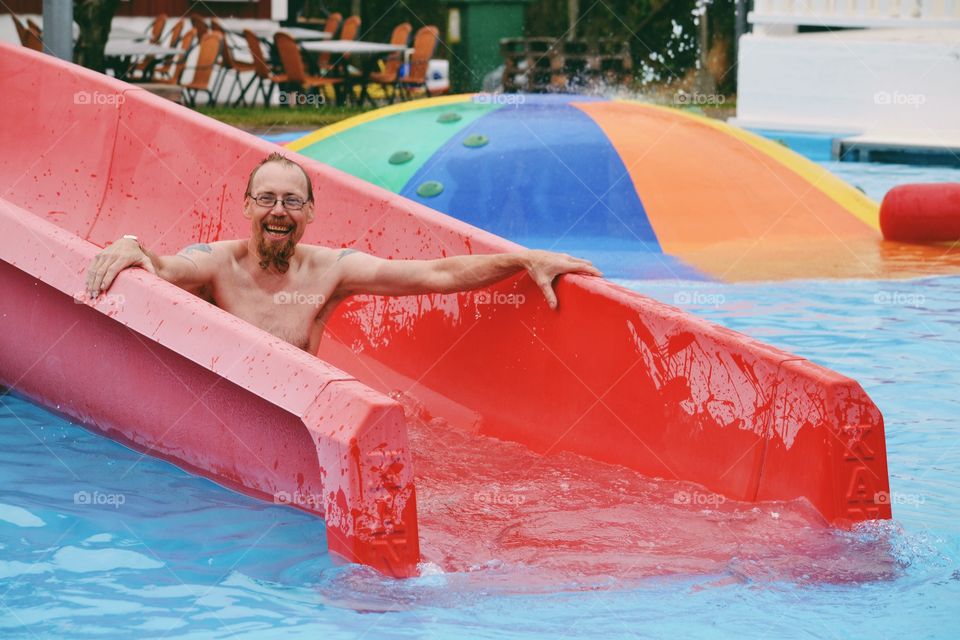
<point>366,151</point>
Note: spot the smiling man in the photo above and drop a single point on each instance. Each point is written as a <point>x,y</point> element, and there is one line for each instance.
<point>289,289</point>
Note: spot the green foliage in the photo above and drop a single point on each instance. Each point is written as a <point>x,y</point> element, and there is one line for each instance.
<point>379,17</point>
<point>662,33</point>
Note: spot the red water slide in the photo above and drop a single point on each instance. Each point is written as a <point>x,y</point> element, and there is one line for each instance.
<point>612,375</point>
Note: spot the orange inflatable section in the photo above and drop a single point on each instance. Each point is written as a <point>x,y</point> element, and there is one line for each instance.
<point>612,375</point>
<point>710,205</point>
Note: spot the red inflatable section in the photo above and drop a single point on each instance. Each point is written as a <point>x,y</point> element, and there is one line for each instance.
<point>612,375</point>
<point>921,213</point>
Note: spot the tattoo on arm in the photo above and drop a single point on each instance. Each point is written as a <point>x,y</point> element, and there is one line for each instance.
<point>200,246</point>
<point>345,253</point>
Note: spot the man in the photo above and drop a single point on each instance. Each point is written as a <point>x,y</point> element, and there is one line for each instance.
<point>290,289</point>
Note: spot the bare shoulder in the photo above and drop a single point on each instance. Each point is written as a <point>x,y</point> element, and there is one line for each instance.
<point>220,250</point>
<point>325,257</point>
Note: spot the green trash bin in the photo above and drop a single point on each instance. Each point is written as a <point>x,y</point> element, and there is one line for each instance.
<point>474,30</point>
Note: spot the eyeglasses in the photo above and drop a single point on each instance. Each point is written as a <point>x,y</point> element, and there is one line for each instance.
<point>291,203</point>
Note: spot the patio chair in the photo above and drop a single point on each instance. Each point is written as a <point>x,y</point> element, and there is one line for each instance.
<point>351,27</point>
<point>267,80</point>
<point>230,63</point>
<point>33,26</point>
<point>156,28</point>
<point>333,24</point>
<point>173,40</point>
<point>28,38</point>
<point>142,70</point>
<point>211,46</point>
<point>175,70</point>
<point>390,75</point>
<point>199,25</point>
<point>293,67</point>
<point>424,45</point>
<point>331,27</point>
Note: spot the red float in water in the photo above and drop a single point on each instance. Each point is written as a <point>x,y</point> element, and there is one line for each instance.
<point>921,213</point>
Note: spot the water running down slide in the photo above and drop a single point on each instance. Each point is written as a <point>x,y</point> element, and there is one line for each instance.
<point>613,375</point>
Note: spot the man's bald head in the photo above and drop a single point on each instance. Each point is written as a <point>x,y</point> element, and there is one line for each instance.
<point>283,161</point>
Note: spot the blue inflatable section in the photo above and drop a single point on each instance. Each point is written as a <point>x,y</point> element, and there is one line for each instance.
<point>546,176</point>
<point>550,172</point>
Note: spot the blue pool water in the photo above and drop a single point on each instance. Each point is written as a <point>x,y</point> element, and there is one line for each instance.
<point>97,541</point>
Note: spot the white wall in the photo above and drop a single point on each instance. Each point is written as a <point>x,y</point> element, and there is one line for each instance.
<point>902,81</point>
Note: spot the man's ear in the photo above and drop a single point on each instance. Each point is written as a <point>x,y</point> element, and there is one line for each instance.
<point>248,207</point>
<point>311,211</point>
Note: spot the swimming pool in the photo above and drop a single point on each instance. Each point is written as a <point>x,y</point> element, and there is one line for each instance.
<point>98,541</point>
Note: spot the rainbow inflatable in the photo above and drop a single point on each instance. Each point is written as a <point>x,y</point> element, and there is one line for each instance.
<point>673,194</point>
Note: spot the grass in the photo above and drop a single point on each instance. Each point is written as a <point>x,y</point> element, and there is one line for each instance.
<point>262,119</point>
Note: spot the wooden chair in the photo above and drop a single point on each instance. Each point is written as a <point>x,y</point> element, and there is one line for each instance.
<point>172,75</point>
<point>156,29</point>
<point>163,69</point>
<point>230,63</point>
<point>34,35</point>
<point>333,24</point>
<point>142,69</point>
<point>390,75</point>
<point>267,80</point>
<point>28,38</point>
<point>294,70</point>
<point>331,27</point>
<point>211,46</point>
<point>351,27</point>
<point>424,45</point>
<point>199,25</point>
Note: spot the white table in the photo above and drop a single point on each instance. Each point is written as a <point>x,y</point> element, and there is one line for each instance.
<point>124,48</point>
<point>122,52</point>
<point>369,51</point>
<point>123,33</point>
<point>265,30</point>
<point>353,47</point>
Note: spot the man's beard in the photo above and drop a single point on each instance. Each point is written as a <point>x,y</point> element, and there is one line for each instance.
<point>277,254</point>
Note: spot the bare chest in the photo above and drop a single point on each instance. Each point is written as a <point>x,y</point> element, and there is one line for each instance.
<point>289,307</point>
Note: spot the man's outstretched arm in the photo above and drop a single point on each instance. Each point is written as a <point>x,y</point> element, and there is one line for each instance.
<point>190,269</point>
<point>362,273</point>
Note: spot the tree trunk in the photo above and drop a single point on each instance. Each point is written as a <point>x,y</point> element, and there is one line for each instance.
<point>93,17</point>
<point>573,17</point>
